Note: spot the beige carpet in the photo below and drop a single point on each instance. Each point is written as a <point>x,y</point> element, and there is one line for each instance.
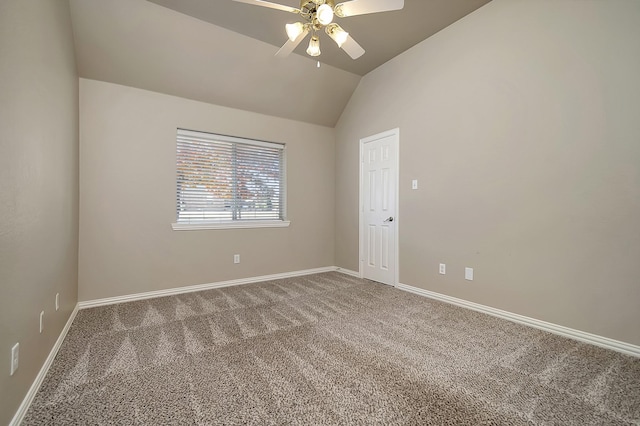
<point>325,349</point>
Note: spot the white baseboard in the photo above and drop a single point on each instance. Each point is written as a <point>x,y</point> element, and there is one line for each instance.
<point>594,339</point>
<point>199,287</point>
<point>348,272</point>
<point>28,399</point>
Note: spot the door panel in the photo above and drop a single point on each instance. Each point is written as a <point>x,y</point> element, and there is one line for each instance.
<point>372,247</point>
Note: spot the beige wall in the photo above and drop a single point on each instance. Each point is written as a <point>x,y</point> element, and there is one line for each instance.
<point>127,195</point>
<point>38,186</point>
<point>140,44</point>
<point>521,124</point>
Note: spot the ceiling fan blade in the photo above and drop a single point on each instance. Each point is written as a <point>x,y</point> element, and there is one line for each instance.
<point>270,5</point>
<point>352,48</point>
<point>362,7</point>
<point>290,46</point>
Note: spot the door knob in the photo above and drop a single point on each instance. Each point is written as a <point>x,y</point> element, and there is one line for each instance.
<point>390,219</point>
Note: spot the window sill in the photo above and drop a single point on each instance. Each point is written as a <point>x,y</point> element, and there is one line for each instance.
<point>245,224</point>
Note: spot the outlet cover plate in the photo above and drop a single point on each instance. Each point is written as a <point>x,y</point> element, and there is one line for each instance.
<point>468,274</point>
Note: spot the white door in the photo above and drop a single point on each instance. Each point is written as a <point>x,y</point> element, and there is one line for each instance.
<point>378,215</point>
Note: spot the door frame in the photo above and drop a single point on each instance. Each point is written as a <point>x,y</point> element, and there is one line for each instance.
<point>396,134</point>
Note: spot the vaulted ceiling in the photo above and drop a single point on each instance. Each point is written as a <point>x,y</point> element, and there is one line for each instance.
<point>222,52</point>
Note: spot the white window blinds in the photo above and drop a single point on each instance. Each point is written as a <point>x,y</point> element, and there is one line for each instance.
<point>227,179</point>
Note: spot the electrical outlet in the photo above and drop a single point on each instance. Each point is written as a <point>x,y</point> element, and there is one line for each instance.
<point>443,268</point>
<point>57,301</point>
<point>468,274</point>
<point>15,352</point>
<point>41,321</point>
<point>236,258</point>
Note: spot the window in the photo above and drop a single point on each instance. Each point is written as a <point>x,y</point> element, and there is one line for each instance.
<point>228,182</point>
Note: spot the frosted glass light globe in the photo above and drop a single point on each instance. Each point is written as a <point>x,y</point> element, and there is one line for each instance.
<point>324,14</point>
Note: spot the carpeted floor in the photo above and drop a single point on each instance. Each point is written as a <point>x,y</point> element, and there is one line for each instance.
<point>325,349</point>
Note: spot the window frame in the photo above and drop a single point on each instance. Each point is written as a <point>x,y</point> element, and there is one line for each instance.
<point>233,223</point>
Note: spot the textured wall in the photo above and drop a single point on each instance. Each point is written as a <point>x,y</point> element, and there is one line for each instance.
<point>127,195</point>
<point>520,122</point>
<point>38,186</point>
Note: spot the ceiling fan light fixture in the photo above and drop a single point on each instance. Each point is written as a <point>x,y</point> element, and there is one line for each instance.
<point>294,30</point>
<point>338,35</point>
<point>314,46</point>
<point>324,14</point>
<point>319,14</point>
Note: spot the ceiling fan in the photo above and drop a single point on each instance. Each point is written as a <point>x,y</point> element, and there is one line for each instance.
<point>318,15</point>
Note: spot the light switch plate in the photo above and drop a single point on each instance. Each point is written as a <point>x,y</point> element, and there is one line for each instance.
<point>414,184</point>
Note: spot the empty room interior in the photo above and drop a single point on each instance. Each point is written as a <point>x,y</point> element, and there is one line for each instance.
<point>310,212</point>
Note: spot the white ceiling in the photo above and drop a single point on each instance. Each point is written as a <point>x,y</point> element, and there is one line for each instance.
<point>225,56</point>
